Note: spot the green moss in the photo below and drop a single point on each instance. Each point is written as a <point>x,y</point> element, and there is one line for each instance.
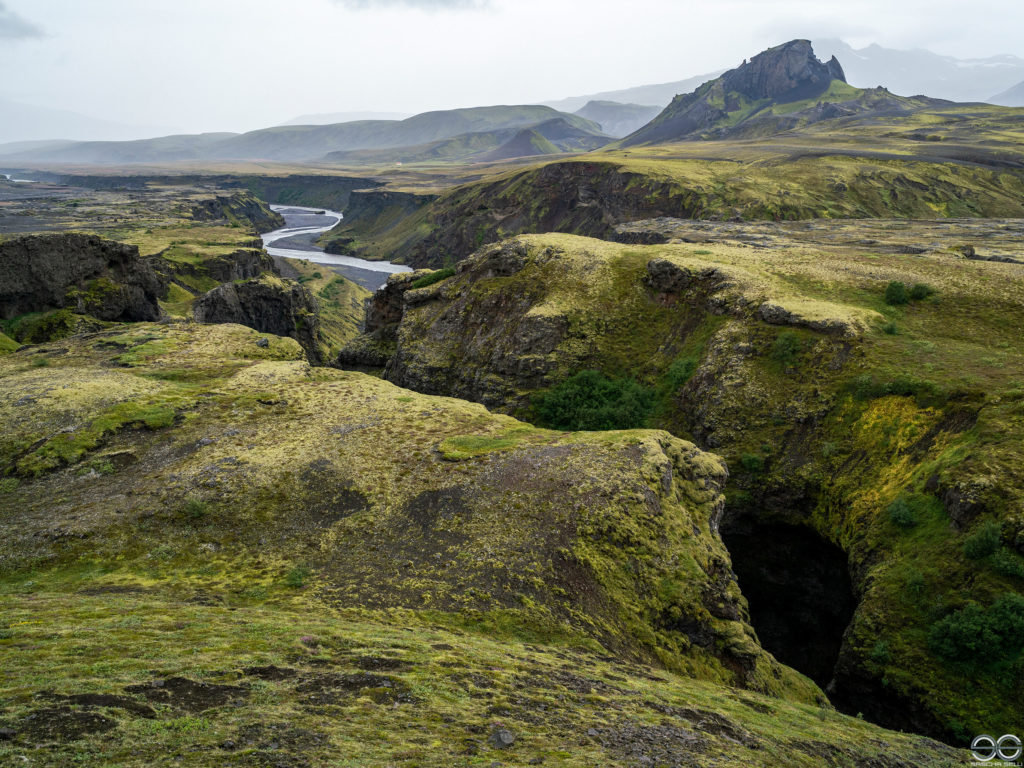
<point>7,344</point>
<point>70,447</point>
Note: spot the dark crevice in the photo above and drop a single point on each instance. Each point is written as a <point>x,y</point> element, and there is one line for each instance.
<point>799,590</point>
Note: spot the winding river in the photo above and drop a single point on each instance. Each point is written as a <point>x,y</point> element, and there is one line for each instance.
<point>297,240</point>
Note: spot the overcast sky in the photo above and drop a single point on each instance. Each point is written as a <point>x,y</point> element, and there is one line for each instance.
<point>201,65</point>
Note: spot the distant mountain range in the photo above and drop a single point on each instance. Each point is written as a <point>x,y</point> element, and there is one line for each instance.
<point>1011,97</point>
<point>307,143</point>
<point>549,137</point>
<point>616,119</point>
<point>330,118</point>
<point>657,95</point>
<point>907,73</point>
<point>910,73</point>
<point>29,123</point>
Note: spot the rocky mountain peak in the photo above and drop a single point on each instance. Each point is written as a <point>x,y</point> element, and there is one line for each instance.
<point>783,71</point>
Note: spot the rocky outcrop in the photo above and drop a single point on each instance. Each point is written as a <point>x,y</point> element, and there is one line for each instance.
<point>83,273</point>
<point>243,264</point>
<point>373,349</point>
<point>237,208</point>
<point>785,74</point>
<point>268,304</point>
<point>787,384</point>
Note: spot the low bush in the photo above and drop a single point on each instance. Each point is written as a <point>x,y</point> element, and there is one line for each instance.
<point>752,462</point>
<point>433,277</point>
<point>896,293</point>
<point>680,372</point>
<point>590,401</point>
<point>981,635</point>
<point>920,291</point>
<point>926,393</point>
<point>901,514</point>
<point>786,349</point>
<point>983,542</point>
<point>1008,563</point>
<point>297,577</point>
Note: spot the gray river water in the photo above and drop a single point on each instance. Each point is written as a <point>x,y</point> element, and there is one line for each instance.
<point>297,240</point>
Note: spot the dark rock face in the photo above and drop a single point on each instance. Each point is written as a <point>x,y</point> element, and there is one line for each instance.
<point>269,305</point>
<point>243,264</point>
<point>582,198</point>
<point>238,207</point>
<point>384,311</point>
<point>240,265</point>
<point>83,273</point>
<point>799,589</point>
<point>786,71</point>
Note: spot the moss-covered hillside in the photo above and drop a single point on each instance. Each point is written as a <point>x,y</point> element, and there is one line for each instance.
<point>346,558</point>
<point>933,163</point>
<point>889,431</point>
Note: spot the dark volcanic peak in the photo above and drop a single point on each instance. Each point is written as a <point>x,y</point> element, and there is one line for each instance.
<point>785,73</point>
<point>780,89</point>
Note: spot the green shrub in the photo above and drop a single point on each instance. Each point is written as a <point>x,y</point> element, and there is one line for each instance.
<point>881,654</point>
<point>896,293</point>
<point>984,541</point>
<point>433,277</point>
<point>1008,563</point>
<point>8,484</point>
<point>297,577</point>
<point>786,349</point>
<point>679,373</point>
<point>589,400</point>
<point>901,514</point>
<point>195,509</point>
<point>890,329</point>
<point>981,635</point>
<point>752,462</point>
<point>920,291</point>
<point>926,393</point>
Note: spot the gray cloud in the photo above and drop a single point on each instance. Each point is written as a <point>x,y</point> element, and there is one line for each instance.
<point>426,5</point>
<point>13,27</point>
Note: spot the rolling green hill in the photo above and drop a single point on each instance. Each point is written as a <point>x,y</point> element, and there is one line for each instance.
<point>555,136</point>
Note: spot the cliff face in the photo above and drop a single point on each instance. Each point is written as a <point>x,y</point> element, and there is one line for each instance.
<point>238,208</point>
<point>370,217</point>
<point>794,385</point>
<point>786,73</point>
<point>267,304</point>
<point>83,273</point>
